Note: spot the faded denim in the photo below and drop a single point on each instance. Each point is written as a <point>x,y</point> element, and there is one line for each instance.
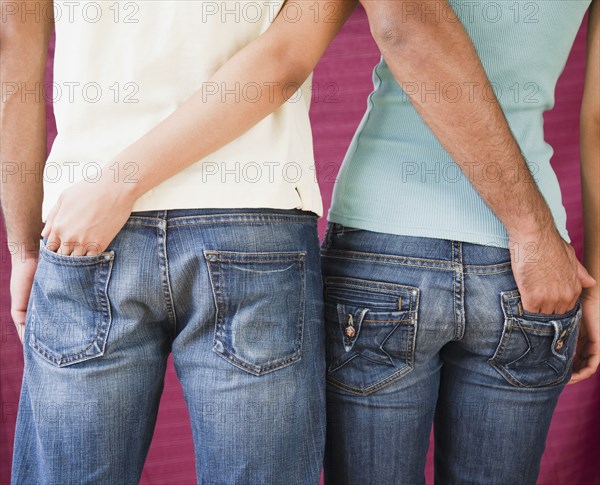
<point>235,295</point>
<point>427,331</point>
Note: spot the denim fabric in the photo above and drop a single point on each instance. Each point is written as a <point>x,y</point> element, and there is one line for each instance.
<point>427,331</point>
<point>235,295</point>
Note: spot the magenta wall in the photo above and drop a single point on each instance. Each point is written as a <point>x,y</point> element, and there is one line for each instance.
<point>342,83</point>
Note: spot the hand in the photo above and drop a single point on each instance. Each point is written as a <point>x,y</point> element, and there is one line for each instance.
<point>86,218</point>
<point>587,354</point>
<point>21,282</point>
<point>548,275</point>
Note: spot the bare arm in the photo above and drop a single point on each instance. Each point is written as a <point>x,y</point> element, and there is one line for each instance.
<point>23,53</point>
<point>588,350</point>
<point>474,131</point>
<point>590,145</point>
<point>23,49</point>
<point>285,54</point>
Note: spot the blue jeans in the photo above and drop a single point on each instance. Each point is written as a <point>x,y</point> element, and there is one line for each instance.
<point>423,331</point>
<point>235,295</point>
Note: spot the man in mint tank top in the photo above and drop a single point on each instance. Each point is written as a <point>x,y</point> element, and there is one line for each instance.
<point>452,295</point>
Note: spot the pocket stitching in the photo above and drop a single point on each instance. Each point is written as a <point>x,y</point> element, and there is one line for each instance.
<point>503,370</point>
<point>275,364</point>
<point>64,260</point>
<point>103,303</point>
<point>410,341</point>
<point>377,287</point>
<point>382,382</point>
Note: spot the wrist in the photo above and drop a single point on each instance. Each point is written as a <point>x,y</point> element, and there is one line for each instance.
<point>592,294</point>
<point>532,226</point>
<point>125,189</point>
<point>23,252</point>
<point>529,217</point>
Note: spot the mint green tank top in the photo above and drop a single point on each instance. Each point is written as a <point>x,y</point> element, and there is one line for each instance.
<point>396,177</point>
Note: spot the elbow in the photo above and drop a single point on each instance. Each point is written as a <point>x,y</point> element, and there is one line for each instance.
<point>389,33</point>
<point>405,41</point>
<point>288,70</point>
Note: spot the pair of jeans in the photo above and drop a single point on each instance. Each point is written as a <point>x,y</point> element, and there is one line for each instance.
<point>427,331</point>
<point>235,295</point>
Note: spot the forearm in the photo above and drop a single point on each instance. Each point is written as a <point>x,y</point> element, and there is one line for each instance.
<point>590,183</point>
<point>469,123</point>
<point>23,55</point>
<point>590,146</point>
<point>207,121</point>
<point>23,143</point>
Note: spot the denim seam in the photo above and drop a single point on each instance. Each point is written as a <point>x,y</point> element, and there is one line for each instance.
<point>327,239</point>
<point>494,270</point>
<point>343,229</point>
<point>63,260</point>
<point>223,216</point>
<point>164,268</point>
<point>461,281</point>
<point>415,318</point>
<point>388,259</point>
<point>131,222</point>
<point>517,383</point>
<point>374,387</point>
<point>535,330</point>
<point>243,218</point>
<point>333,281</point>
<point>457,293</point>
<point>258,257</point>
<point>189,221</point>
<point>415,262</point>
<point>403,320</point>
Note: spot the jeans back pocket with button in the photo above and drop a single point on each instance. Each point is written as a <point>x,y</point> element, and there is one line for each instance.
<point>260,299</point>
<point>535,350</point>
<point>371,332</point>
<point>70,316</point>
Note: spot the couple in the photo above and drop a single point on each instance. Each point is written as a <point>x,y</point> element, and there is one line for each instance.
<point>180,209</point>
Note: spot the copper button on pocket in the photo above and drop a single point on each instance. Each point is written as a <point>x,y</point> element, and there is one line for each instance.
<point>350,330</point>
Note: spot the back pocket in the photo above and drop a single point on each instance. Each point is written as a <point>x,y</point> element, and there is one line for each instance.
<point>535,350</point>
<point>70,311</point>
<point>371,333</point>
<point>260,299</point>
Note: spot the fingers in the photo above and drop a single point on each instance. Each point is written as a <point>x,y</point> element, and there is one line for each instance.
<point>87,249</point>
<point>585,372</point>
<point>20,331</point>
<point>64,245</point>
<point>586,361</point>
<point>54,243</point>
<point>68,247</point>
<point>546,304</point>
<point>587,281</point>
<point>18,317</point>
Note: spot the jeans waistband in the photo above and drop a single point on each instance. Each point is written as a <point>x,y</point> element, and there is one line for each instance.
<point>351,243</point>
<point>181,217</point>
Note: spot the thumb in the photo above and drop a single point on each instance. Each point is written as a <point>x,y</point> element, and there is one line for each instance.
<point>18,317</point>
<point>586,279</point>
